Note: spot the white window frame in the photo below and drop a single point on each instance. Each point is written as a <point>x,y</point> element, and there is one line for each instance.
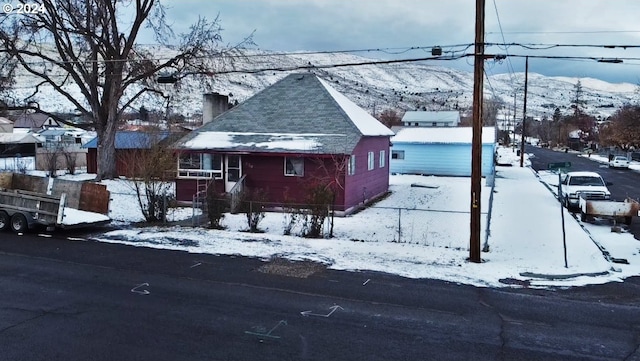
<point>351,166</point>
<point>296,162</point>
<point>371,160</point>
<point>383,159</point>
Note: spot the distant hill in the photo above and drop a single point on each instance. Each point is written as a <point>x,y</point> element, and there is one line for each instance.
<point>402,86</point>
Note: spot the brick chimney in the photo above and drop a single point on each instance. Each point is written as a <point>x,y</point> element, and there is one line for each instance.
<point>213,104</point>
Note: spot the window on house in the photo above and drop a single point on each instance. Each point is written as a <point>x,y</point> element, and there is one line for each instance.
<point>371,160</point>
<point>199,165</point>
<point>434,124</point>
<point>351,167</point>
<point>382,158</point>
<point>190,161</point>
<point>294,167</point>
<point>397,154</point>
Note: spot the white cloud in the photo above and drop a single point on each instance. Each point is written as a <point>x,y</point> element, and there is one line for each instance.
<point>289,25</point>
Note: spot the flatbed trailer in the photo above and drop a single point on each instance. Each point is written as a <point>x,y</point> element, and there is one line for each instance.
<point>622,211</point>
<point>29,201</point>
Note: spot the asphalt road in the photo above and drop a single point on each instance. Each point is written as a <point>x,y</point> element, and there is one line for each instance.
<point>624,182</point>
<point>81,300</point>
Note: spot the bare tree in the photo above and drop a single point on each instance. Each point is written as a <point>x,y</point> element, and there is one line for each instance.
<point>390,117</point>
<point>623,128</point>
<point>151,167</point>
<point>86,43</point>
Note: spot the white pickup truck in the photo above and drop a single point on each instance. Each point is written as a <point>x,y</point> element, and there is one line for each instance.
<point>589,185</point>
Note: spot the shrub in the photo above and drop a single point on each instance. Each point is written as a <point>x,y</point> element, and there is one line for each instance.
<point>319,201</point>
<point>292,216</point>
<point>252,205</point>
<point>217,205</point>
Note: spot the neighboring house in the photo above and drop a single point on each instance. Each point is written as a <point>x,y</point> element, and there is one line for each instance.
<point>61,149</point>
<point>18,151</point>
<point>431,119</point>
<point>18,145</point>
<point>129,146</point>
<point>6,126</point>
<point>295,134</point>
<point>440,151</point>
<point>34,121</point>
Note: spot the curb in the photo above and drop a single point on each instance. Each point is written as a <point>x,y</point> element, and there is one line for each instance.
<point>562,277</point>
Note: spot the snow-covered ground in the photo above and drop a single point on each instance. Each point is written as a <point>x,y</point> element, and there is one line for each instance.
<point>524,238</point>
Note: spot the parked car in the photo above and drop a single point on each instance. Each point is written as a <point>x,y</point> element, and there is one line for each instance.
<point>589,185</point>
<point>619,161</point>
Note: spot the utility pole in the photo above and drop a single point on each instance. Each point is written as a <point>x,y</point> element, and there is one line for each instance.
<point>476,144</point>
<point>515,112</point>
<point>524,111</point>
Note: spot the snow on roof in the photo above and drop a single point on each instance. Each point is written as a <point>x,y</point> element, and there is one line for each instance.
<point>4,120</point>
<point>18,138</point>
<point>247,141</point>
<point>449,116</point>
<point>365,122</point>
<point>444,135</point>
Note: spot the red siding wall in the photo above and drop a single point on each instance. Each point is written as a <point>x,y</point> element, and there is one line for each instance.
<point>124,160</point>
<point>366,184</point>
<point>267,172</point>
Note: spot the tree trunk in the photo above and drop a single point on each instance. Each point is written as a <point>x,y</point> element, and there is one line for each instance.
<point>106,148</point>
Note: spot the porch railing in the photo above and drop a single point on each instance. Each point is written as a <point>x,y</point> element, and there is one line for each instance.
<point>235,193</point>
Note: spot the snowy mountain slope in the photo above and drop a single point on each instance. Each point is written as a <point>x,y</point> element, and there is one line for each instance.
<point>400,86</point>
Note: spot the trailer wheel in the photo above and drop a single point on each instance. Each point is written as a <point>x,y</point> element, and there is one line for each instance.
<point>627,220</point>
<point>4,220</point>
<point>584,217</point>
<point>19,223</point>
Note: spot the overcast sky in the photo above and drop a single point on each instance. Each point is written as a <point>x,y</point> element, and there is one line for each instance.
<point>328,25</point>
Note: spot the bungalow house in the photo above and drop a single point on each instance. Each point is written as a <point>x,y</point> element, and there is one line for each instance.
<point>17,151</point>
<point>440,151</point>
<point>129,146</point>
<point>431,119</point>
<point>18,145</point>
<point>35,121</point>
<point>295,134</point>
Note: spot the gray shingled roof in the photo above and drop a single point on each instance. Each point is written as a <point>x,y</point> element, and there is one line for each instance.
<point>298,107</point>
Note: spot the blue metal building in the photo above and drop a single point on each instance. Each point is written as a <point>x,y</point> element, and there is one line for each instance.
<point>439,151</point>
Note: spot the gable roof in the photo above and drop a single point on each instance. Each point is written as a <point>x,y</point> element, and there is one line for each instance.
<point>132,140</point>
<point>18,138</point>
<point>448,116</point>
<point>301,113</point>
<point>34,121</point>
<point>447,135</point>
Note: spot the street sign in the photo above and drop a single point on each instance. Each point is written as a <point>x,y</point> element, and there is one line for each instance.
<point>559,165</point>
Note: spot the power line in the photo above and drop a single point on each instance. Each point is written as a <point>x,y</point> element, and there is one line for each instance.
<point>391,51</point>
<point>511,70</point>
<point>568,32</point>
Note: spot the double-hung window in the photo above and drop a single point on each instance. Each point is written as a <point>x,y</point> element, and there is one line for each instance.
<point>371,160</point>
<point>351,166</point>
<point>383,156</point>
